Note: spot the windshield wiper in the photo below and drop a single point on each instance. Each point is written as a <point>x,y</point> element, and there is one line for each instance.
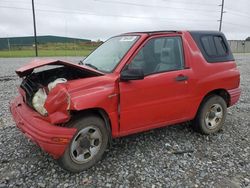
<point>92,66</point>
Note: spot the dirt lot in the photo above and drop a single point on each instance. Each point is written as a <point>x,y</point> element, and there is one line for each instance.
<point>142,160</point>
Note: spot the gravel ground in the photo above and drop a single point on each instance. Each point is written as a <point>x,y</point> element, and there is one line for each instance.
<point>168,157</point>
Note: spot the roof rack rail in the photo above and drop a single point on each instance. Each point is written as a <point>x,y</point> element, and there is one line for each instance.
<point>153,32</point>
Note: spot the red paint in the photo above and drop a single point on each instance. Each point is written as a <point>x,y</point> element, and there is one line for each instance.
<point>57,105</point>
<point>134,106</point>
<point>39,130</point>
<point>27,69</point>
<point>234,95</point>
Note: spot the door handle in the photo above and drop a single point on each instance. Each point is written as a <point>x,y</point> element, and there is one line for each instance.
<point>180,78</point>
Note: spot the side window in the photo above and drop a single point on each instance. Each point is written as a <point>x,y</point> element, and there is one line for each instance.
<point>220,46</point>
<point>160,55</point>
<point>208,45</point>
<point>214,46</point>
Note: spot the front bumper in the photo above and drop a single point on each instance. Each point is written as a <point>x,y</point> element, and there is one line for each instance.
<point>51,138</point>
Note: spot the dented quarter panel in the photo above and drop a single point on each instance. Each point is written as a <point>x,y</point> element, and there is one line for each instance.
<point>57,104</point>
<point>97,92</point>
<point>93,92</point>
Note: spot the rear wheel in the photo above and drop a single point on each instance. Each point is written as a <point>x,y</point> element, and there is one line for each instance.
<point>211,115</point>
<point>87,146</point>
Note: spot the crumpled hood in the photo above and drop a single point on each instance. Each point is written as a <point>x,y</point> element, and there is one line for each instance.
<point>28,68</point>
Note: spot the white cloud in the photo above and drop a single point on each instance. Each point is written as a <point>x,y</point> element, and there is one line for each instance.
<point>96,19</point>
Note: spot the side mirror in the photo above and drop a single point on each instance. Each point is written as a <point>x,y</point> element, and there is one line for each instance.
<point>132,74</point>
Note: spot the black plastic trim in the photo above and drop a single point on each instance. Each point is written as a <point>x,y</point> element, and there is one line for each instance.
<point>152,32</point>
<point>197,35</point>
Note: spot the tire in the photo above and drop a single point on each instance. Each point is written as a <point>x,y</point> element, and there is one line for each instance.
<point>211,115</point>
<point>87,145</point>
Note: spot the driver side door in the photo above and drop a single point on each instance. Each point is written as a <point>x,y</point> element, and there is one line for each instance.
<point>159,98</point>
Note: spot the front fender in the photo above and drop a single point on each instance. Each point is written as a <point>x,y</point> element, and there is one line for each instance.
<point>105,97</point>
<point>57,104</point>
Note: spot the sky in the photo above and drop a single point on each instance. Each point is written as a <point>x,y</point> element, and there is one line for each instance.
<point>101,19</point>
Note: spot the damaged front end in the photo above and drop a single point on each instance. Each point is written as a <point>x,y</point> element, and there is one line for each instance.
<point>44,101</point>
<point>44,87</point>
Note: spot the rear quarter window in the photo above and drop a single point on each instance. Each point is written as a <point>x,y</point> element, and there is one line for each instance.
<point>208,45</point>
<point>220,46</point>
<point>213,46</point>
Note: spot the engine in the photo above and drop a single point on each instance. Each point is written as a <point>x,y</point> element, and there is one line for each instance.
<point>37,85</point>
<point>40,96</point>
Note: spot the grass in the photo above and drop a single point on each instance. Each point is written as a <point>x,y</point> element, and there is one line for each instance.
<point>239,53</point>
<point>51,49</point>
<point>56,49</point>
<point>44,53</point>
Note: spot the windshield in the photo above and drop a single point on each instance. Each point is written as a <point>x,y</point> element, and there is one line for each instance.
<point>106,57</point>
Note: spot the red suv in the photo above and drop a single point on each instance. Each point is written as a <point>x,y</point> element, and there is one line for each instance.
<point>132,83</point>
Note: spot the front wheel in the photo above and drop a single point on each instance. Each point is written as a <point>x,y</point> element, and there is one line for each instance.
<point>211,115</point>
<point>87,146</point>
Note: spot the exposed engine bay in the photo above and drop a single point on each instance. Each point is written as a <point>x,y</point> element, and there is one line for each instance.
<point>38,85</point>
<point>40,96</point>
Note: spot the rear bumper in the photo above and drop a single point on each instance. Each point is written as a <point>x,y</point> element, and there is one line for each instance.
<point>52,139</point>
<point>234,95</point>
